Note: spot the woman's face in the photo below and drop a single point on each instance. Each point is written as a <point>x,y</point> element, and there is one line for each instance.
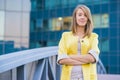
<point>81,18</point>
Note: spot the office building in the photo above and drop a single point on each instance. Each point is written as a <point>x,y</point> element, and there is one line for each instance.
<point>31,24</point>
<point>50,18</point>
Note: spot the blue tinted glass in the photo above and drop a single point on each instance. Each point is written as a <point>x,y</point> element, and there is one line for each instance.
<point>2,4</point>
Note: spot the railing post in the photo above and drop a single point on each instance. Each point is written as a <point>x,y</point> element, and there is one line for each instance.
<point>58,70</point>
<point>21,73</point>
<point>14,74</point>
<point>39,70</point>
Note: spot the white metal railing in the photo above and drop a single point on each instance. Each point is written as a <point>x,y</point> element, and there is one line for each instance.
<point>33,64</point>
<point>30,65</point>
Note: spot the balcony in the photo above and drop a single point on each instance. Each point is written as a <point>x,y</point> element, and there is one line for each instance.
<point>35,64</point>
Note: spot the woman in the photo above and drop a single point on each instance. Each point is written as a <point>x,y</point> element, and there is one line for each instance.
<point>78,49</point>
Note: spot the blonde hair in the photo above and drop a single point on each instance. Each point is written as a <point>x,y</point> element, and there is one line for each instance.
<point>88,26</point>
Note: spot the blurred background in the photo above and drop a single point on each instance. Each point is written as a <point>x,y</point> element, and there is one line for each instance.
<point>28,24</point>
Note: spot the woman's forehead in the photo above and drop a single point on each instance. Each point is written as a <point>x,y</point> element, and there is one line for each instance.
<point>80,11</point>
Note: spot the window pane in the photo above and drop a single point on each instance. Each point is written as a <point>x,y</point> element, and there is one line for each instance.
<point>50,4</point>
<point>67,23</point>
<point>2,16</point>
<point>105,20</point>
<point>9,46</point>
<point>1,47</point>
<point>73,3</point>
<point>40,4</point>
<point>33,5</point>
<point>25,31</point>
<point>65,3</point>
<point>13,24</point>
<point>52,43</point>
<point>14,5</point>
<point>61,23</point>
<point>39,24</point>
<point>32,25</point>
<point>26,5</point>
<point>104,45</point>
<point>2,4</point>
<point>14,40</point>
<point>97,20</point>
<point>25,24</point>
<point>25,42</point>
<point>101,20</point>
<point>93,1</point>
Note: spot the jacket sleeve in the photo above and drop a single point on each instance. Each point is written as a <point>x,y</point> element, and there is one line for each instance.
<point>62,50</point>
<point>94,51</point>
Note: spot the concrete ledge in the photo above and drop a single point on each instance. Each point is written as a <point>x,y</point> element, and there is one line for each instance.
<point>108,77</point>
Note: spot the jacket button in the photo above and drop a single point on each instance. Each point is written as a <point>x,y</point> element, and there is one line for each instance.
<point>82,41</point>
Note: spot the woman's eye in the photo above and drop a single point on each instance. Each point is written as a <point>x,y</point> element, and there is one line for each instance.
<point>79,15</point>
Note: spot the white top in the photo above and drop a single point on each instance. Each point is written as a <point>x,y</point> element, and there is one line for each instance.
<point>76,72</point>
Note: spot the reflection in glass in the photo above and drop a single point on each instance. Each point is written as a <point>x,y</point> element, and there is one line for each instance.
<point>50,4</point>
<point>40,4</point>
<point>104,42</point>
<point>105,20</point>
<point>67,23</point>
<point>73,3</point>
<point>33,5</point>
<point>52,43</point>
<point>9,46</point>
<point>32,25</point>
<point>39,24</point>
<point>101,20</point>
<point>97,20</point>
<point>60,23</point>
<point>93,1</point>
<point>65,3</point>
<point>32,45</point>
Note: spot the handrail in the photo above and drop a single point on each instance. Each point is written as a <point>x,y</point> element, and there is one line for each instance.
<point>12,60</point>
<point>42,64</point>
<point>100,68</point>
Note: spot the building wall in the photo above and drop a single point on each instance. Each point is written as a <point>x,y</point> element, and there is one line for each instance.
<point>14,25</point>
<point>49,18</point>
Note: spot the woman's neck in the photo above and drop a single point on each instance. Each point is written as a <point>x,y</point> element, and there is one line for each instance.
<point>80,32</point>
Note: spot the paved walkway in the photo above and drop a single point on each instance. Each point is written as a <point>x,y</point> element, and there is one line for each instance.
<point>108,77</point>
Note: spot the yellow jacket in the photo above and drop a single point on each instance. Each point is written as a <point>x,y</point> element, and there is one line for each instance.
<point>68,45</point>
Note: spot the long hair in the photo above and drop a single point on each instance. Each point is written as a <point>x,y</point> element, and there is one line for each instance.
<point>89,25</point>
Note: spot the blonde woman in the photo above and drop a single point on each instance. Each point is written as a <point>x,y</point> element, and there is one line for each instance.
<point>78,49</point>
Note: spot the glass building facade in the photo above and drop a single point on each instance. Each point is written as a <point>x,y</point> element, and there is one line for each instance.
<point>14,25</point>
<point>49,18</point>
<point>39,23</point>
